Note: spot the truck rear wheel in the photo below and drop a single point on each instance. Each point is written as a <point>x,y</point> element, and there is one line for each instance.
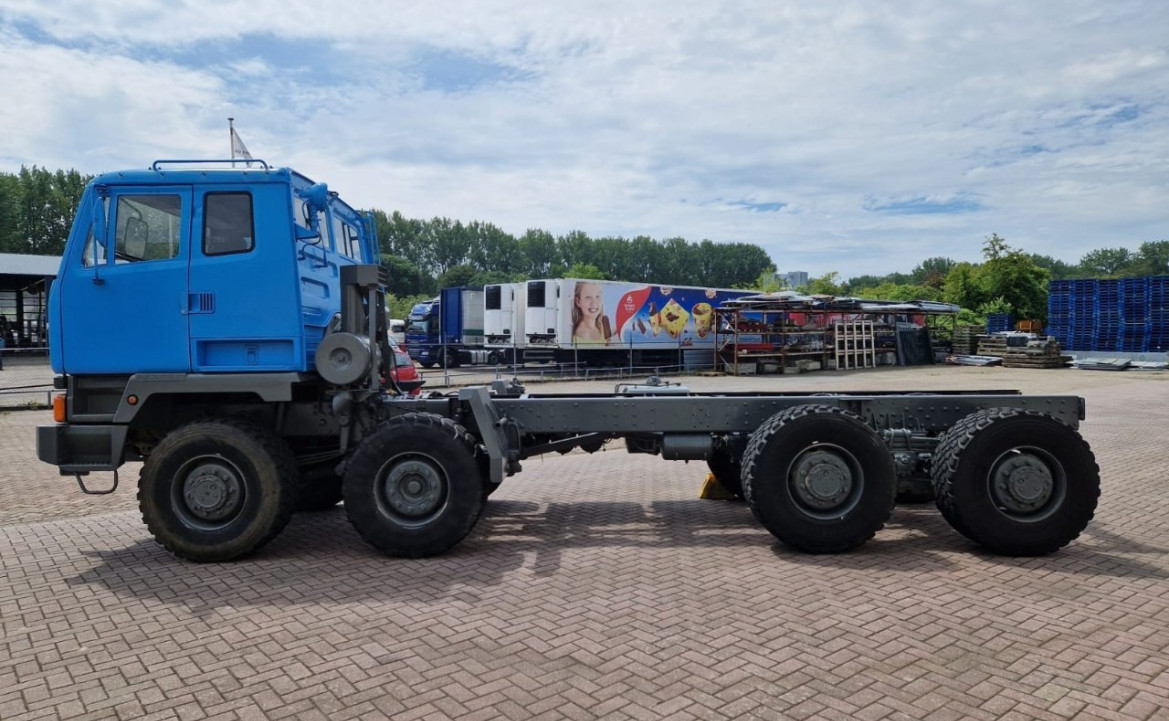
<point>214,490</point>
<point>819,478</point>
<point>1017,482</point>
<point>415,487</point>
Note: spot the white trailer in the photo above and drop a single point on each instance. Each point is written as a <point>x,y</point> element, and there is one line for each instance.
<point>601,322</point>
<point>503,320</point>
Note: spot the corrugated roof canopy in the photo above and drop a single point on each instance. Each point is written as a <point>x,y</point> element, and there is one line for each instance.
<point>39,266</point>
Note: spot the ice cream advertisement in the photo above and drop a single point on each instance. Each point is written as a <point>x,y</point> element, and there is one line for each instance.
<point>629,315</point>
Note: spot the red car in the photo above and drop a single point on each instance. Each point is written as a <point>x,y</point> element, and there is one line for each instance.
<point>405,374</point>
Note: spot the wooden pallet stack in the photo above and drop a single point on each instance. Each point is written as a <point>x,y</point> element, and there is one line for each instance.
<point>966,339</point>
<point>1044,353</point>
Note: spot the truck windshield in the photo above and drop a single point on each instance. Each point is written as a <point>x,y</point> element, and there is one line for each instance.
<point>416,326</point>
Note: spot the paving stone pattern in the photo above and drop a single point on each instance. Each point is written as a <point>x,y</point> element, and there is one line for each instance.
<point>600,587</point>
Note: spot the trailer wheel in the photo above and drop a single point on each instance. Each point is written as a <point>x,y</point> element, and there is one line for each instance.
<point>415,487</point>
<point>1018,482</point>
<point>214,490</point>
<point>819,478</point>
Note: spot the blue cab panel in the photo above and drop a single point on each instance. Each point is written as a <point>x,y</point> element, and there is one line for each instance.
<point>208,270</point>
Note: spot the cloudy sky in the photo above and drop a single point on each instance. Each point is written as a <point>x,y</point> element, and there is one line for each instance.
<point>858,137</point>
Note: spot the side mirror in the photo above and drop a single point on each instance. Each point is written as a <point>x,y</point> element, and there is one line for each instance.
<point>307,235</point>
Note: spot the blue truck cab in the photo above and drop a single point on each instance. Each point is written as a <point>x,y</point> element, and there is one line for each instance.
<point>448,330</point>
<point>187,269</point>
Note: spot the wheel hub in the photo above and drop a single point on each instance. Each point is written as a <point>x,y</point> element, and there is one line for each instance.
<point>212,492</point>
<point>1023,483</point>
<point>822,479</point>
<point>414,488</point>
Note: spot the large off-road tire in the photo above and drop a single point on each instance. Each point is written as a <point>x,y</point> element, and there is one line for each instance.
<point>414,487</point>
<point>218,489</point>
<point>1018,482</point>
<point>819,478</point>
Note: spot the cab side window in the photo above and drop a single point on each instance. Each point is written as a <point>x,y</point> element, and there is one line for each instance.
<point>94,252</point>
<point>148,227</point>
<point>228,224</point>
<point>348,241</point>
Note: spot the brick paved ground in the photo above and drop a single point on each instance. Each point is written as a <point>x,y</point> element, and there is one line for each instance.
<point>599,586</point>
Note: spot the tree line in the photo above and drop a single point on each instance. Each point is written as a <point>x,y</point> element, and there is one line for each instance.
<point>1008,280</point>
<point>440,253</point>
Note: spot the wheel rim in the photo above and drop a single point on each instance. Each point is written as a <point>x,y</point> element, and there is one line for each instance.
<point>209,492</point>
<point>412,489</point>
<point>825,481</point>
<point>1027,484</point>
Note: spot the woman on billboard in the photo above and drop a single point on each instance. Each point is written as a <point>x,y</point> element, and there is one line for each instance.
<point>590,325</point>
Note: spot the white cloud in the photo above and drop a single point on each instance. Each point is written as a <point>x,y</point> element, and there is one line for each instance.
<point>659,118</point>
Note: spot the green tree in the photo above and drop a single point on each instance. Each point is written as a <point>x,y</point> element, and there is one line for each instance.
<point>406,278</point>
<point>1058,269</point>
<point>457,276</point>
<point>574,247</point>
<point>10,235</point>
<point>45,205</point>
<point>937,267</point>
<point>1106,262</point>
<point>901,291</point>
<point>1019,282</point>
<point>401,236</point>
<point>491,249</point>
<point>964,286</point>
<point>585,271</point>
<point>994,247</point>
<point>538,251</point>
<point>1153,258</point>
<point>827,284</point>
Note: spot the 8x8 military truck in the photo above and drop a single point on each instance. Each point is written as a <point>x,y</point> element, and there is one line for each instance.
<point>226,327</point>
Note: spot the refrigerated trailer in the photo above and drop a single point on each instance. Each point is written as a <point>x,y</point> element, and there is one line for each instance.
<point>601,322</point>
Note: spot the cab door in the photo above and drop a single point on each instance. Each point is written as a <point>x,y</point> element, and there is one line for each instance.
<point>245,308</point>
<point>124,296</point>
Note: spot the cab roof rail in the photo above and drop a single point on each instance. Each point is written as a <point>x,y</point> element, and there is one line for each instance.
<point>231,162</point>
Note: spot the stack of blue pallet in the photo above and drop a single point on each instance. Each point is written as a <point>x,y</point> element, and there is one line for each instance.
<point>1059,311</point>
<point>998,322</point>
<point>1159,313</point>
<point>1127,315</point>
<point>1134,316</point>
<point>1106,328</point>
<point>1083,330</point>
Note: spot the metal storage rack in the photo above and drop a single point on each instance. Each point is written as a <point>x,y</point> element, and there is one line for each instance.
<point>777,343</point>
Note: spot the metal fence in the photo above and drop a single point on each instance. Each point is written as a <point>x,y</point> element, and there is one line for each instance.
<point>26,380</point>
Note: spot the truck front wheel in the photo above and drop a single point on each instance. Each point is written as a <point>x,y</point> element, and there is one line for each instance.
<point>819,478</point>
<point>214,490</point>
<point>415,487</point>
